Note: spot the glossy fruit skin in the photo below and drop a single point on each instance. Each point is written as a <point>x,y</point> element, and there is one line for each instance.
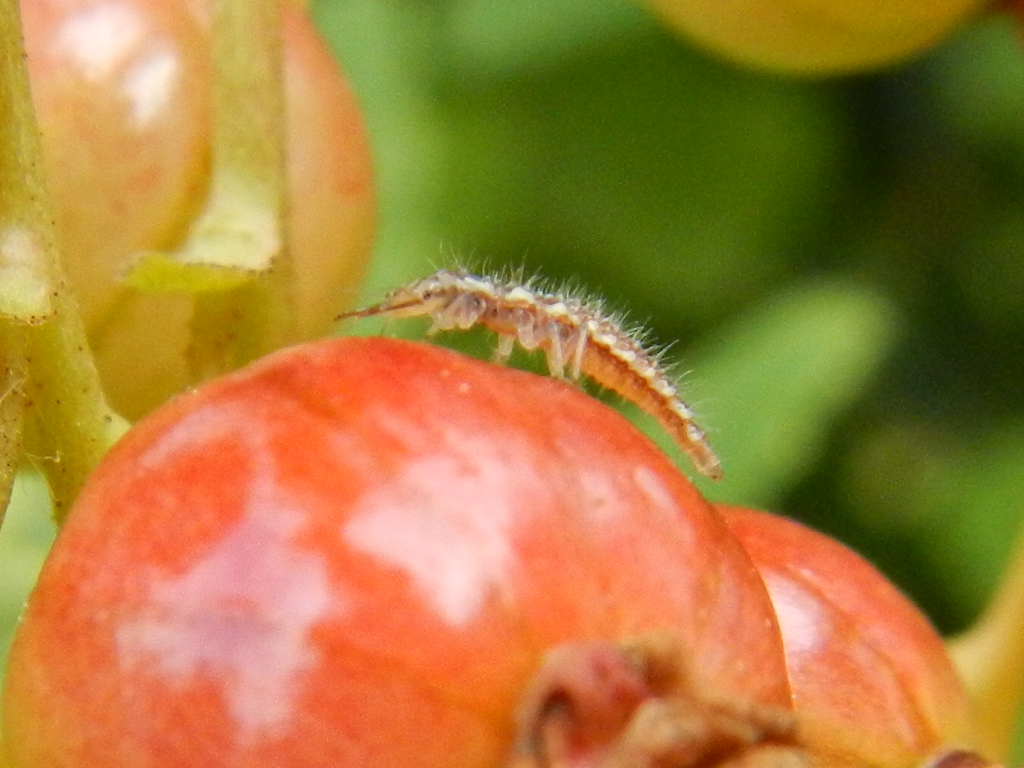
<point>817,37</point>
<point>872,682</point>
<point>122,94</point>
<point>356,553</point>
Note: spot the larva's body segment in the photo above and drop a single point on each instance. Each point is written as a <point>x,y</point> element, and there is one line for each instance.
<point>652,392</point>
<point>576,336</point>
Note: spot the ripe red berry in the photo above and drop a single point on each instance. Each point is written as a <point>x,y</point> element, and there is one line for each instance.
<point>367,552</point>
<point>872,682</point>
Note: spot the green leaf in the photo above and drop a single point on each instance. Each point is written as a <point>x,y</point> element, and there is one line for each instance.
<point>775,383</point>
<point>24,541</point>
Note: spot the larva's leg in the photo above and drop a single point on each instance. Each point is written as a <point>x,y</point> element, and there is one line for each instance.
<point>526,329</point>
<point>555,352</point>
<point>442,321</point>
<point>578,341</point>
<point>462,312</point>
<point>470,310</point>
<point>506,342</point>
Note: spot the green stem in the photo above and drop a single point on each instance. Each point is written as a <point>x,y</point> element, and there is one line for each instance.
<point>990,658</point>
<point>12,405</point>
<point>26,271</point>
<point>234,258</point>
<point>72,424</point>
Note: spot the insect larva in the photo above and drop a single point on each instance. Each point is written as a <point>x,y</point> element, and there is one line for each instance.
<point>574,335</point>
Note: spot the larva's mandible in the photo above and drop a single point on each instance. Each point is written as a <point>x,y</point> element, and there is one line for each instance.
<point>575,335</point>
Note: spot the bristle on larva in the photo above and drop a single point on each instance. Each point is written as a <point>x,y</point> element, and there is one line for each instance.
<point>575,335</point>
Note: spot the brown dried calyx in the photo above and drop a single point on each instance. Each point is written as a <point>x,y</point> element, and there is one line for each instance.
<point>606,705</point>
<point>960,758</point>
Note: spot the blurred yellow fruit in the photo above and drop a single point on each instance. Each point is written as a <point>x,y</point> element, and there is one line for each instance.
<point>817,37</point>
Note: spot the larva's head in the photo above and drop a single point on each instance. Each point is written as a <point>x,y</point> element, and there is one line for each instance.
<point>426,296</point>
<point>423,297</point>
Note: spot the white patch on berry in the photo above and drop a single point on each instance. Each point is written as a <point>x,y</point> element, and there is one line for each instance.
<point>450,541</point>
<point>241,615</point>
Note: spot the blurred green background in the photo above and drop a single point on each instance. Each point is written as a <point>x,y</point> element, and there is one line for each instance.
<point>838,264</point>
